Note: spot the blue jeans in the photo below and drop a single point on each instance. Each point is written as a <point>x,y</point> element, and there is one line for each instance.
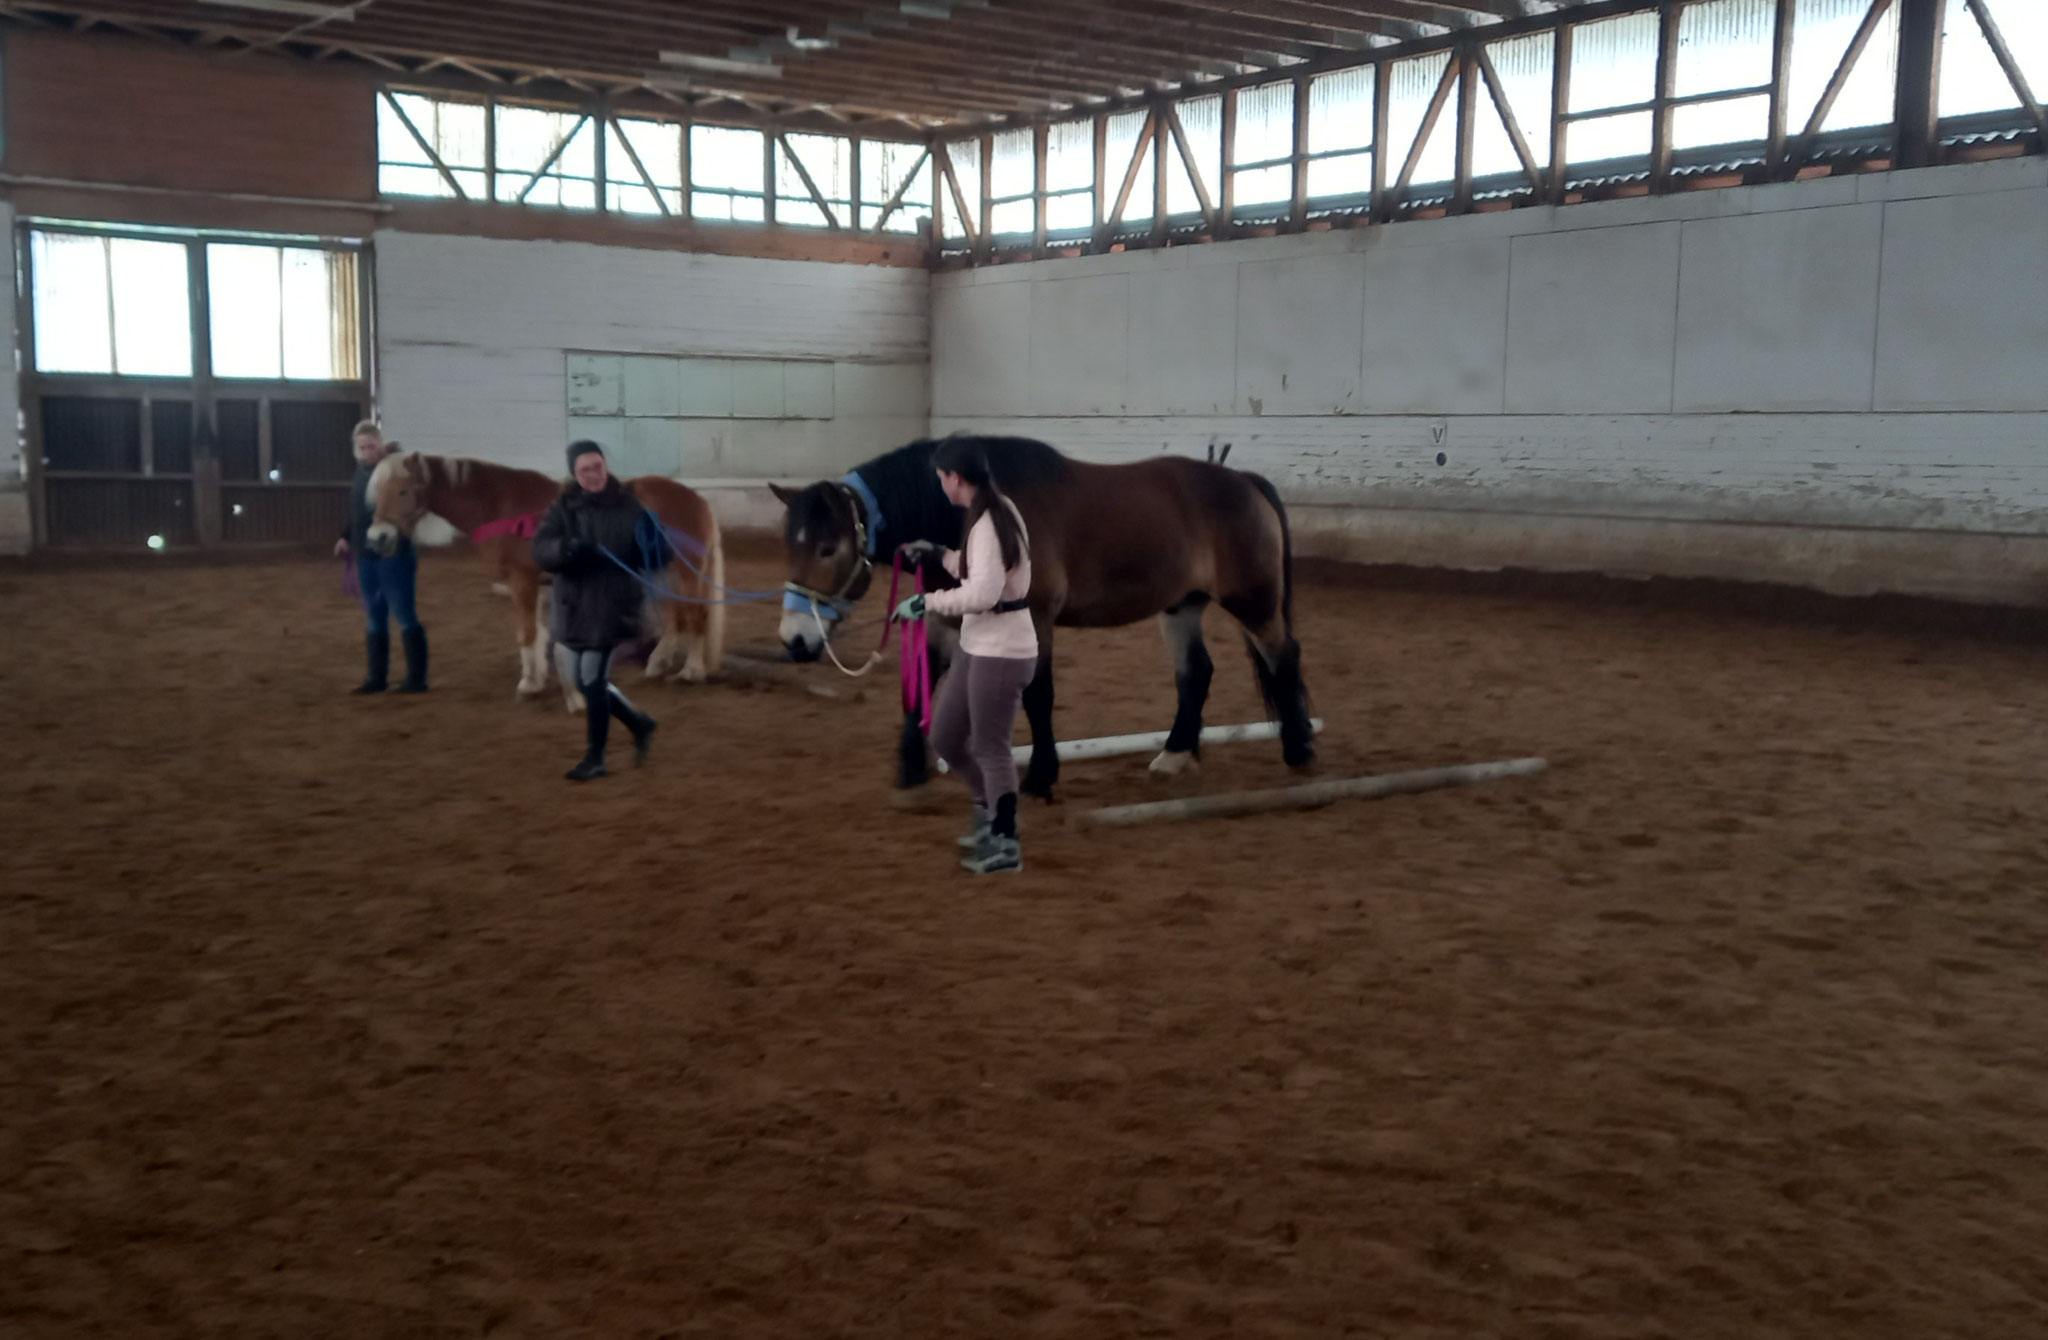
<point>387,588</point>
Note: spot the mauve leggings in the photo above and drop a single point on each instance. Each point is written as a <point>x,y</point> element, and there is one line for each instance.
<point>973,717</point>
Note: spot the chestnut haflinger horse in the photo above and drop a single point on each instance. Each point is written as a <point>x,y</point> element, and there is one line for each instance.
<point>1110,545</point>
<point>498,507</point>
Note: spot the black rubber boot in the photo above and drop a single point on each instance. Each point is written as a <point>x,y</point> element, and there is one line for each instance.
<point>638,722</point>
<point>377,651</point>
<point>415,640</point>
<point>597,720</point>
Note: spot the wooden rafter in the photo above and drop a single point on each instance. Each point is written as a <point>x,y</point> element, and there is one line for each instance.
<point>1499,94</point>
<point>433,154</point>
<point>895,200</point>
<point>817,196</point>
<point>849,60</point>
<point>1146,133</point>
<point>1840,79</point>
<point>633,156</point>
<point>1435,113</point>
<point>2013,73</point>
<point>970,219</point>
<point>974,69</point>
<point>1193,166</point>
<point>554,156</point>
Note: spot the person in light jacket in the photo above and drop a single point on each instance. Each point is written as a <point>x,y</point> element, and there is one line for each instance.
<point>977,704</point>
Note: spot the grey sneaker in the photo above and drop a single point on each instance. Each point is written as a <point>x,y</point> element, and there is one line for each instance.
<point>977,832</point>
<point>995,856</point>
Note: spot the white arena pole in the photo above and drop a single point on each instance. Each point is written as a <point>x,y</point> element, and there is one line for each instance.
<point>1145,742</point>
<point>1313,795</point>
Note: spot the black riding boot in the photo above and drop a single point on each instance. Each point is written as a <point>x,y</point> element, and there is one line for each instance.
<point>377,651</point>
<point>415,640</point>
<point>635,720</point>
<point>597,720</point>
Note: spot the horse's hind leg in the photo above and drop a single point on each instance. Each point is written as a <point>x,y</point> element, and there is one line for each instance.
<point>1276,661</point>
<point>661,662</point>
<point>707,626</point>
<point>689,622</point>
<point>544,649</point>
<point>1192,671</point>
<point>561,659</point>
<point>565,673</point>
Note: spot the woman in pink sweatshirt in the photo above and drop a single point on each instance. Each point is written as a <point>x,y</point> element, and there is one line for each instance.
<point>977,703</point>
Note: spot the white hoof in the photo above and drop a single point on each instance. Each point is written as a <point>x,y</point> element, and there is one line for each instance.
<point>531,690</point>
<point>1175,765</point>
<point>691,674</point>
<point>576,703</point>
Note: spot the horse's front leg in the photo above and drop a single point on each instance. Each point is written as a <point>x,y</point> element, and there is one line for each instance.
<point>1044,768</point>
<point>533,666</point>
<point>913,754</point>
<point>553,654</point>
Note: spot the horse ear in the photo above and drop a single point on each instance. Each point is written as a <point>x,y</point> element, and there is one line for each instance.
<point>787,497</point>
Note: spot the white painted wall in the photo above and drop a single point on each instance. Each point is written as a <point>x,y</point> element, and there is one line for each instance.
<point>1709,384</point>
<point>17,532</point>
<point>474,337</point>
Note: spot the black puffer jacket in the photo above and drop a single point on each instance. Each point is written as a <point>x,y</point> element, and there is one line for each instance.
<point>597,604</point>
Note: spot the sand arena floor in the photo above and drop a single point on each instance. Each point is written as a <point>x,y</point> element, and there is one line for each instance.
<point>333,1017</point>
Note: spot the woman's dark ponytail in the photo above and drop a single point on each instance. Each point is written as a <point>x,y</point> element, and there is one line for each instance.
<point>968,458</point>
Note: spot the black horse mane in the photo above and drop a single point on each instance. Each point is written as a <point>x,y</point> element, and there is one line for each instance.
<point>907,489</point>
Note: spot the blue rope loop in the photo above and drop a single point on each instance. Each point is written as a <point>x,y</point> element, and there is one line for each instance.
<point>656,542</point>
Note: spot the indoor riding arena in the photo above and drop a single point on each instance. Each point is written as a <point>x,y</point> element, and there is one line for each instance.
<point>1628,417</point>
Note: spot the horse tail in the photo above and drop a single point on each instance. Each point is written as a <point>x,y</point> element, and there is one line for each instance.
<point>1272,496</point>
<point>1279,669</point>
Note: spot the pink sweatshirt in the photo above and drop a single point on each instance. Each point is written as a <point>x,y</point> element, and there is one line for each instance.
<point>1008,636</point>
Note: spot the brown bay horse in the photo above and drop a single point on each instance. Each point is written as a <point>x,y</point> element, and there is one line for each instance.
<point>498,507</point>
<point>1110,545</point>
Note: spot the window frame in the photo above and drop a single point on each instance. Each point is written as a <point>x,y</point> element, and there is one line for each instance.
<point>605,122</point>
<point>216,514</point>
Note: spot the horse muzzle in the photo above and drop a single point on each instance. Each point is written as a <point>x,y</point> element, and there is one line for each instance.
<point>801,637</point>
<point>807,620</point>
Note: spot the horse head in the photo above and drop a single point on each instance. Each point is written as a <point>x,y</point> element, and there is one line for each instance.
<point>826,539</point>
<point>398,493</point>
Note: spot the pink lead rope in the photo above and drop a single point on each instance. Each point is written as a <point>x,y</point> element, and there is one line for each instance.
<point>917,668</point>
<point>913,665</point>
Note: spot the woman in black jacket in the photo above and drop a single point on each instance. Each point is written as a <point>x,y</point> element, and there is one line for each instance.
<point>597,602</point>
